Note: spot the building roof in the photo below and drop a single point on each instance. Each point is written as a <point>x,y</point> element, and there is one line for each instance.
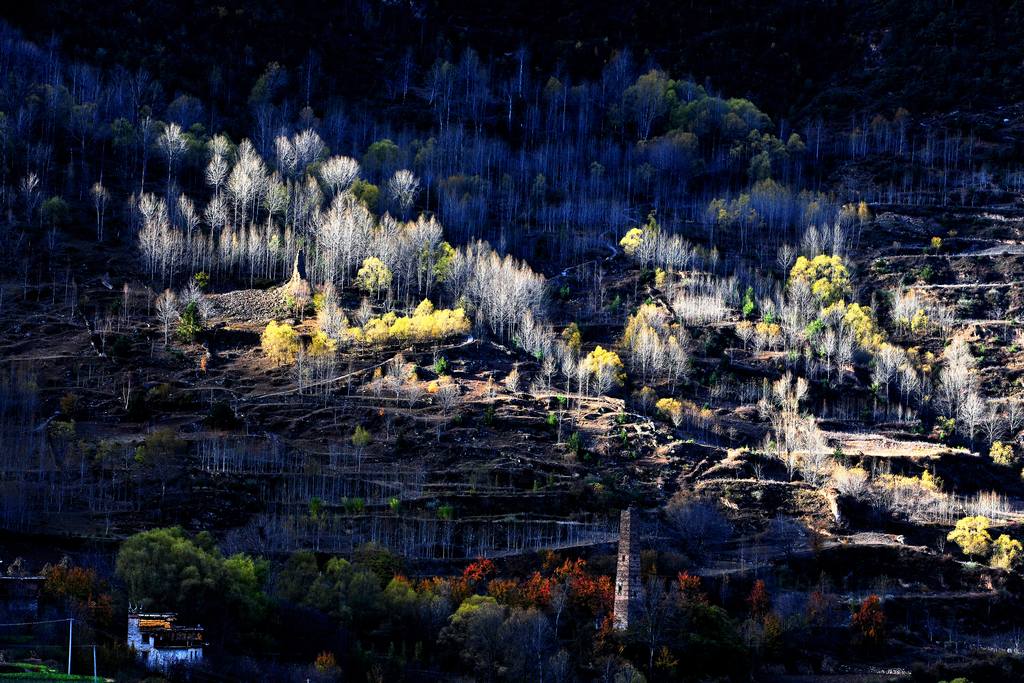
<point>167,634</point>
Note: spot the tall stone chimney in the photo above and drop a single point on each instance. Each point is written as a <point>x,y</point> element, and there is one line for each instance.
<point>627,573</point>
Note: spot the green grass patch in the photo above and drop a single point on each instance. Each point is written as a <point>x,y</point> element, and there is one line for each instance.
<point>25,671</point>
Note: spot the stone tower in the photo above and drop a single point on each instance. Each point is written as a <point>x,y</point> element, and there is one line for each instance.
<point>298,286</point>
<point>299,267</point>
<point>627,573</point>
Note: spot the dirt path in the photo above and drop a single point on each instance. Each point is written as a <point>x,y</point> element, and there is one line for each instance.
<point>974,285</point>
<point>998,248</point>
<point>565,273</point>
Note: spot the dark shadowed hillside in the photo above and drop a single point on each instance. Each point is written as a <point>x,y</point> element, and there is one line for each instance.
<point>796,59</point>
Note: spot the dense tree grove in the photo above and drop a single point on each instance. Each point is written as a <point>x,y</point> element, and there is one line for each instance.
<point>536,627</point>
<point>585,158</point>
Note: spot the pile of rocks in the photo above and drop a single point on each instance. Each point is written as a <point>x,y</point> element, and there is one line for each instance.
<point>261,305</point>
<point>248,305</point>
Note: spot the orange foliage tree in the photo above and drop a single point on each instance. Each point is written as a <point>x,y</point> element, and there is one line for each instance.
<point>690,590</point>
<point>869,620</point>
<point>477,571</point>
<point>759,601</point>
<point>572,578</point>
<point>79,587</point>
<point>593,593</point>
<point>473,577</point>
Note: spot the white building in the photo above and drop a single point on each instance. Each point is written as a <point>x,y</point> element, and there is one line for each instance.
<point>160,643</point>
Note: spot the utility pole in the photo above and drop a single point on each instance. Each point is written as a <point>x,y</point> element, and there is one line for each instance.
<point>71,624</point>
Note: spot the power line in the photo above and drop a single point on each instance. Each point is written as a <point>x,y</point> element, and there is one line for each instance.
<point>71,627</point>
<point>70,646</point>
<point>33,623</point>
<point>37,646</point>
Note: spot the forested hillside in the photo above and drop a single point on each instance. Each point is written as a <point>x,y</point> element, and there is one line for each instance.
<point>798,59</point>
<point>348,331</point>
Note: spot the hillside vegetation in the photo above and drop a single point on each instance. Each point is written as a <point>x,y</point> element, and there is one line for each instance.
<point>360,376</point>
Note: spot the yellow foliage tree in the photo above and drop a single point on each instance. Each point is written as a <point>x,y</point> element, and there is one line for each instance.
<point>280,342</point>
<point>826,275</point>
<point>322,345</point>
<point>646,317</point>
<point>863,212</point>
<point>632,240</point>
<point>930,482</point>
<point>425,324</point>
<point>971,534</point>
<point>606,367</point>
<point>638,242</point>
<point>660,278</point>
<point>859,212</point>
<point>1006,552</point>
<point>919,323</point>
<point>858,318</point>
<point>770,334</point>
<point>374,276</point>
<point>860,321</point>
<point>425,308</point>
<point>671,408</point>
<point>573,338</point>
<point>1002,454</point>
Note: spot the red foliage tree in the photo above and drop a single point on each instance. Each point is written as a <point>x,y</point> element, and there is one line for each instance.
<point>587,591</point>
<point>759,601</point>
<point>478,571</point>
<point>471,580</point>
<point>819,605</point>
<point>537,590</point>
<point>690,590</point>
<point>79,587</point>
<point>869,620</point>
<point>505,591</point>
